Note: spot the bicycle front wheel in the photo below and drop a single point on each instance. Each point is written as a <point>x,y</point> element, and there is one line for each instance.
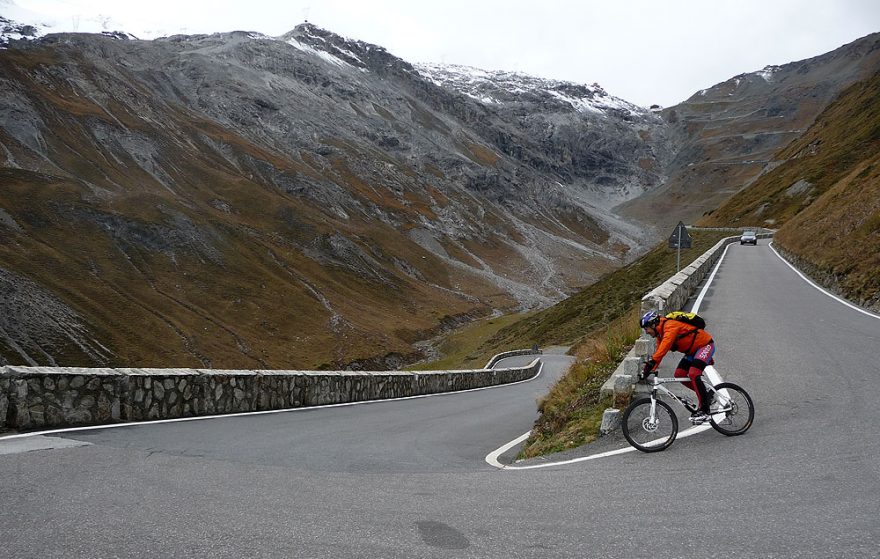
<point>649,428</point>
<point>736,410</point>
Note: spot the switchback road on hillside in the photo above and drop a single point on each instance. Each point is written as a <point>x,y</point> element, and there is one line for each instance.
<point>408,478</point>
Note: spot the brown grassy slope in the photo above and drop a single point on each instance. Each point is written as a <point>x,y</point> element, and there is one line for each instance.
<point>726,134</point>
<point>179,239</point>
<point>571,412</point>
<point>825,197</point>
<point>205,262</point>
<point>242,292</point>
<point>157,303</point>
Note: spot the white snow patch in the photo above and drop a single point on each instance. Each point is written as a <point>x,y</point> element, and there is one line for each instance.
<point>493,86</point>
<point>350,54</point>
<point>335,60</point>
<point>576,103</point>
<point>767,72</point>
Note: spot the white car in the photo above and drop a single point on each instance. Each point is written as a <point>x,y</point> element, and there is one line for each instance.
<point>748,237</point>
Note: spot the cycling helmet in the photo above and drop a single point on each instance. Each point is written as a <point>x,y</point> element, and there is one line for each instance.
<point>650,318</point>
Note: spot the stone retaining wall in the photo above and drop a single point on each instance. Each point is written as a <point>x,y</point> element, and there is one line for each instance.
<point>52,397</point>
<point>515,353</point>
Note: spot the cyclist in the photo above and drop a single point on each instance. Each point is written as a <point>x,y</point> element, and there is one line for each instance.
<point>697,346</point>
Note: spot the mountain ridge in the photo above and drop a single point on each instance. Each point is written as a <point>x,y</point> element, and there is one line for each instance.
<point>306,201</point>
<point>175,155</point>
<point>724,137</point>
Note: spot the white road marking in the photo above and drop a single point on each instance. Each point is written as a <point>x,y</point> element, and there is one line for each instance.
<point>37,443</point>
<point>703,291</point>
<point>492,458</point>
<point>835,297</point>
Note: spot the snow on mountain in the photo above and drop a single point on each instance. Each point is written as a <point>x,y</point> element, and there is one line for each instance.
<point>335,49</point>
<point>18,23</point>
<point>335,60</point>
<point>494,87</point>
<point>767,72</point>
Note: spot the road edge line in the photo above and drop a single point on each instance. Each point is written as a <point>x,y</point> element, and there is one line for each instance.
<point>496,453</point>
<point>822,289</point>
<point>699,301</point>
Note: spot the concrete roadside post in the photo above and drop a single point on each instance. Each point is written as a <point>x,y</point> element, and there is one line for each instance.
<point>644,346</point>
<point>622,384</point>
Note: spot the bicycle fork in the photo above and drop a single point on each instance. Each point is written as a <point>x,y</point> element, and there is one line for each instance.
<point>652,420</point>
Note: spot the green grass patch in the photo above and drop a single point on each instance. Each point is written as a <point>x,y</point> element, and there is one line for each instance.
<point>599,323</point>
<point>571,321</point>
<point>461,349</point>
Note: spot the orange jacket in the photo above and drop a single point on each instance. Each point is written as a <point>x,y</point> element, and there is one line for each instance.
<point>677,336</point>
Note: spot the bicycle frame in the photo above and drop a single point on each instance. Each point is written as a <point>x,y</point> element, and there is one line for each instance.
<point>650,423</point>
<point>657,385</point>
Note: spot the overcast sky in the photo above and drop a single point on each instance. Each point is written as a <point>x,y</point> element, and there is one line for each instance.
<point>645,51</point>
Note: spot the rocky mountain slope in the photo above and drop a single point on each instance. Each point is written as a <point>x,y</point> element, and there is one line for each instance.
<point>306,201</point>
<point>724,137</point>
<point>824,197</point>
<point>236,200</point>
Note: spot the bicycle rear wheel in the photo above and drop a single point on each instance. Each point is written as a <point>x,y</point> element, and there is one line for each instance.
<point>737,411</point>
<point>646,431</point>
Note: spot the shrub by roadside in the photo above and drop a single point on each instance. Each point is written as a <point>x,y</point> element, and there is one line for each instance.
<point>572,411</point>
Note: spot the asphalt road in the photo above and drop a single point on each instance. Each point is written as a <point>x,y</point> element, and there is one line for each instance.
<point>409,479</point>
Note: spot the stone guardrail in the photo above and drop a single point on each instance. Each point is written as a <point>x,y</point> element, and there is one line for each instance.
<point>671,295</point>
<point>757,229</point>
<point>54,397</point>
<point>515,353</point>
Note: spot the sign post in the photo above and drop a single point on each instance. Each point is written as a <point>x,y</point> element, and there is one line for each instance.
<point>679,239</point>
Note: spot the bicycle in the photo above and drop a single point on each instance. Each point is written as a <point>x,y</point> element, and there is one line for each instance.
<point>650,425</point>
